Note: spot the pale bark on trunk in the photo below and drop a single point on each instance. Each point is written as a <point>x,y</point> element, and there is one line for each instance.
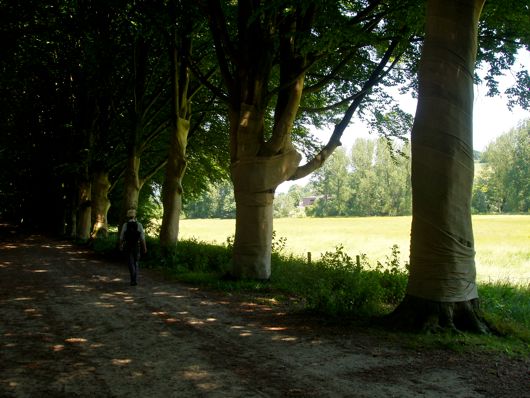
<point>180,53</point>
<point>442,265</point>
<point>246,70</point>
<point>172,189</point>
<point>253,239</point>
<point>84,211</point>
<point>100,203</point>
<point>255,179</point>
<point>132,185</point>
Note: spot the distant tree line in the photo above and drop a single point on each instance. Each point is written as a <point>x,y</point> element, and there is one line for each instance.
<point>502,182</point>
<point>373,179</point>
<point>217,202</point>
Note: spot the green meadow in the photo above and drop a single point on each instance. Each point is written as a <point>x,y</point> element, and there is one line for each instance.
<point>502,242</point>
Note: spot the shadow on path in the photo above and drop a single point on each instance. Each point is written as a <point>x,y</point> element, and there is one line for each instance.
<point>73,327</point>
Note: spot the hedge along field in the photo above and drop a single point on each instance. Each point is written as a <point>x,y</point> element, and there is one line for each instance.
<point>502,242</point>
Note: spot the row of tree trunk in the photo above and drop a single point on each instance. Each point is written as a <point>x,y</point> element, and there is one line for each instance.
<point>93,201</point>
<point>442,248</point>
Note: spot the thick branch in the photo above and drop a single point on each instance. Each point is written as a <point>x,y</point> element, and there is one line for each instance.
<point>319,159</point>
<point>140,72</point>
<point>156,113</point>
<point>195,90</point>
<point>288,99</point>
<point>336,104</point>
<point>334,140</point>
<point>204,80</point>
<point>292,64</point>
<point>223,46</point>
<point>118,177</point>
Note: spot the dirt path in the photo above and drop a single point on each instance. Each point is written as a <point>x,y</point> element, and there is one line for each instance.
<point>72,327</point>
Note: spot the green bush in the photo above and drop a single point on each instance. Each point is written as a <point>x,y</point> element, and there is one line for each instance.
<point>108,246</point>
<point>342,286</point>
<point>336,285</point>
<point>393,277</point>
<point>188,256</point>
<point>198,256</point>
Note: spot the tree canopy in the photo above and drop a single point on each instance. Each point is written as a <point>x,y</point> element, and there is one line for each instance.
<point>76,78</point>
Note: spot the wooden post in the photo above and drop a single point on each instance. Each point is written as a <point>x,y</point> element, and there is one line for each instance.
<point>309,257</point>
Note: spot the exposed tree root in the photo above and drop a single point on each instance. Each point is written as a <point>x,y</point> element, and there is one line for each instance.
<point>421,315</point>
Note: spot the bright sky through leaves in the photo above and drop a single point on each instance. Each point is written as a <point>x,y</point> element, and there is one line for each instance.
<point>491,119</point>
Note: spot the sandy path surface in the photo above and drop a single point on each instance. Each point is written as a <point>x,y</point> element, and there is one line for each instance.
<point>72,327</point>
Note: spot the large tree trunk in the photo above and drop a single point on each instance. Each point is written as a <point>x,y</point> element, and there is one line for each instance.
<point>255,179</point>
<point>100,203</point>
<point>84,211</point>
<point>132,185</point>
<point>253,239</point>
<point>260,161</point>
<point>180,53</point>
<point>172,189</point>
<point>442,289</point>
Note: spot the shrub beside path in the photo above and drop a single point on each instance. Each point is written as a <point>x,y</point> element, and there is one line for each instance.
<point>72,327</point>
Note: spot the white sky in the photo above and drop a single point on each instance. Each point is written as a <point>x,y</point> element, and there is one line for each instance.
<point>491,117</point>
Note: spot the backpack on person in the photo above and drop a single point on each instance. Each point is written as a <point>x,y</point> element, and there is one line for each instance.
<point>132,234</point>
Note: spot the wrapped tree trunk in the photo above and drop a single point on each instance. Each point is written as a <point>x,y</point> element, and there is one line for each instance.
<point>100,203</point>
<point>264,46</point>
<point>180,53</point>
<point>255,175</point>
<point>442,288</point>
<point>172,189</point>
<point>132,183</point>
<point>255,180</point>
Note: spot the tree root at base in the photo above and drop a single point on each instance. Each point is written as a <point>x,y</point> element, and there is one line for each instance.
<point>422,315</point>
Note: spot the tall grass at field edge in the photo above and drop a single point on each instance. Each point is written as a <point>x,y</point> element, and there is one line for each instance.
<point>501,241</point>
<point>336,285</point>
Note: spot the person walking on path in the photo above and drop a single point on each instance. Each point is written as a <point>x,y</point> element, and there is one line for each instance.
<point>132,236</point>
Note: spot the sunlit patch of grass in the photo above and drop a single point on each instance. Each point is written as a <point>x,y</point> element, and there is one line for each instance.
<point>504,263</point>
<point>372,236</point>
<point>337,285</point>
<point>501,241</point>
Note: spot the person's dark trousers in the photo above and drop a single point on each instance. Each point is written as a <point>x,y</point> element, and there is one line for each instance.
<point>133,261</point>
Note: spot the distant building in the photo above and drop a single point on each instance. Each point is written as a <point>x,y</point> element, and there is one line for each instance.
<point>309,200</point>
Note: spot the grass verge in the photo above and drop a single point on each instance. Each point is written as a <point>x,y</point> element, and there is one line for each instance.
<point>340,287</point>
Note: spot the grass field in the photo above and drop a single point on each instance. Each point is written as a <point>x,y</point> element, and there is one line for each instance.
<point>502,242</point>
